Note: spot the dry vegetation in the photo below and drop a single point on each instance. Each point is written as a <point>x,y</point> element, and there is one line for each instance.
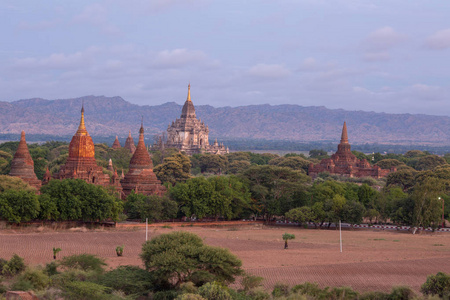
<point>371,260</point>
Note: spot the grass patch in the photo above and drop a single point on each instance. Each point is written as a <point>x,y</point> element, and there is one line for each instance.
<point>396,240</point>
<point>379,239</point>
<point>438,244</point>
<point>167,226</point>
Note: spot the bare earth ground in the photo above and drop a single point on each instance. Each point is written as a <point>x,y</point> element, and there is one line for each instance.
<point>371,260</point>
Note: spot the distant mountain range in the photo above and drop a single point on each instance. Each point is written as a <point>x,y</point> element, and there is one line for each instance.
<point>110,116</point>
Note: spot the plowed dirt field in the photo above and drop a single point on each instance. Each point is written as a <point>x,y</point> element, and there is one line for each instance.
<point>371,260</point>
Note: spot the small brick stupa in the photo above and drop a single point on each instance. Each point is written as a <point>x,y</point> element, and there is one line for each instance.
<point>81,163</point>
<point>129,144</point>
<point>345,163</point>
<point>116,144</point>
<point>140,177</point>
<point>22,164</point>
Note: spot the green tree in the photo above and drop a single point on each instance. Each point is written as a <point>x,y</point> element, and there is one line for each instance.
<point>153,207</point>
<point>179,257</point>
<point>427,205</point>
<point>429,162</point>
<point>174,169</point>
<point>13,183</point>
<point>286,237</point>
<point>19,205</point>
<point>405,179</point>
<point>389,163</point>
<point>353,212</point>
<point>272,187</point>
<point>77,200</point>
<point>293,162</point>
<point>213,163</point>
<point>438,284</point>
<point>193,196</point>
<point>300,214</point>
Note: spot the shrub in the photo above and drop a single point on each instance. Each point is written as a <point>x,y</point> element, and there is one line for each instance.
<point>188,288</point>
<point>165,295</point>
<point>214,291</point>
<point>307,288</point>
<point>36,277</point>
<point>438,284</point>
<point>131,280</point>
<point>63,279</point>
<point>84,290</point>
<point>21,285</point>
<point>258,294</point>
<point>250,282</point>
<point>280,290</point>
<point>14,266</point>
<point>343,293</point>
<point>189,296</point>
<point>51,268</point>
<point>401,293</point>
<point>85,262</point>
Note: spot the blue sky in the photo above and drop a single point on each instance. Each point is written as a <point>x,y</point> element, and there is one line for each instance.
<point>384,55</point>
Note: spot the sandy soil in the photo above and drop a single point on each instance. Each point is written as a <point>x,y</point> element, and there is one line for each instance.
<point>371,260</point>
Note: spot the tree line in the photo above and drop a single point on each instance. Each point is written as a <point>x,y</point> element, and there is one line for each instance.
<point>235,186</point>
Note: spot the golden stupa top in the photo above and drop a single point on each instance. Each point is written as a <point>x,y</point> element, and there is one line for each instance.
<point>189,92</point>
<point>82,127</point>
<point>344,136</point>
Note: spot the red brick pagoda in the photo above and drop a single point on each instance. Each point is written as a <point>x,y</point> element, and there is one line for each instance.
<point>116,144</point>
<point>129,144</point>
<point>345,163</point>
<point>140,177</point>
<point>81,163</point>
<point>22,164</point>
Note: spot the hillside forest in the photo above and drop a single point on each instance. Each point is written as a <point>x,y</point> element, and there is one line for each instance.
<point>238,185</point>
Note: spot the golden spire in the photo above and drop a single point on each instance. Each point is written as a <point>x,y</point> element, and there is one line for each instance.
<point>344,136</point>
<point>82,127</point>
<point>189,92</point>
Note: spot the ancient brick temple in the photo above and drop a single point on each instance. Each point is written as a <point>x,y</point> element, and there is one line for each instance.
<point>22,164</point>
<point>81,163</point>
<point>116,144</point>
<point>189,134</point>
<point>129,144</point>
<point>345,163</point>
<point>140,177</point>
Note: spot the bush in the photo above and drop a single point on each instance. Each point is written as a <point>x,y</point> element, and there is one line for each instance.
<point>343,293</point>
<point>438,284</point>
<point>14,266</point>
<point>51,268</point>
<point>36,277</point>
<point>307,288</point>
<point>131,280</point>
<point>250,282</point>
<point>280,290</point>
<point>63,279</point>
<point>22,285</point>
<point>165,295</point>
<point>258,293</point>
<point>401,293</point>
<point>85,262</point>
<point>84,290</point>
<point>190,296</point>
<point>214,291</point>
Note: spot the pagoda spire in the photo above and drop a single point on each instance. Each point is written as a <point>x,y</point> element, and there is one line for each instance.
<point>189,92</point>
<point>344,136</point>
<point>82,127</point>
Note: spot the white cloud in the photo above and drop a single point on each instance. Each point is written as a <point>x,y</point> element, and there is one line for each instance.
<point>59,60</point>
<point>273,71</point>
<point>439,40</point>
<point>178,58</point>
<point>383,38</point>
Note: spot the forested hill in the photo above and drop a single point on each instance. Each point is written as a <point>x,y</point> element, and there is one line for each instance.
<point>108,116</point>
